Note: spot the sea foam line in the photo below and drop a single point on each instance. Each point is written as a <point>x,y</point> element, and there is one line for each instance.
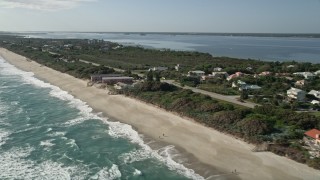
<point>116,129</point>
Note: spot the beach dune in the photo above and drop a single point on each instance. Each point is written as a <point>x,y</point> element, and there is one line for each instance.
<point>221,151</point>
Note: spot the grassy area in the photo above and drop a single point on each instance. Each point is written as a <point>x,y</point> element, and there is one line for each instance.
<point>317,114</point>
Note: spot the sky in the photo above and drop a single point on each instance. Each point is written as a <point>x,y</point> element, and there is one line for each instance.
<point>231,16</point>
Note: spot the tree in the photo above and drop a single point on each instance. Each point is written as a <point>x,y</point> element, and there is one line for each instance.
<point>157,76</point>
<point>150,76</point>
<point>244,94</point>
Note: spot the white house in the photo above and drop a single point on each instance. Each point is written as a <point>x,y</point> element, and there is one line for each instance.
<point>306,75</point>
<point>217,69</point>
<point>158,68</point>
<point>239,83</point>
<point>177,67</point>
<point>196,73</point>
<point>220,74</point>
<point>249,87</point>
<point>297,94</point>
<point>315,93</point>
<point>317,72</point>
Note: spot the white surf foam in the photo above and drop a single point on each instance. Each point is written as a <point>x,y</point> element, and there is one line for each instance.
<point>116,129</point>
<point>54,134</point>
<point>47,143</point>
<point>3,108</point>
<point>137,172</point>
<point>15,165</point>
<point>108,173</point>
<point>4,136</point>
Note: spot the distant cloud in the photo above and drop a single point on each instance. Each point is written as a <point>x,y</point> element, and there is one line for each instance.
<point>47,5</point>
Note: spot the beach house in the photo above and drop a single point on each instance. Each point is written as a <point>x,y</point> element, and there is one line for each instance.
<point>196,73</point>
<point>235,75</point>
<point>296,94</point>
<point>306,75</point>
<point>220,74</point>
<point>114,80</point>
<point>98,77</point>
<point>313,135</point>
<point>315,93</point>
<point>159,68</point>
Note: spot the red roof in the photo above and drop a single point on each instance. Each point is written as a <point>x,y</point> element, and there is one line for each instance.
<point>312,133</point>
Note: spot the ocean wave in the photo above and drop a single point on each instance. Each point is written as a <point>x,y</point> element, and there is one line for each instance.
<point>3,108</point>
<point>47,143</point>
<point>117,129</point>
<point>57,133</point>
<point>108,173</point>
<point>15,165</point>
<point>4,135</point>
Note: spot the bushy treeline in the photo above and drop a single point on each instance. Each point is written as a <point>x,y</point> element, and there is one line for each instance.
<point>69,66</point>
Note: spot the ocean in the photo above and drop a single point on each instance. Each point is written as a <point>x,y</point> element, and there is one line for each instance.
<point>46,133</point>
<point>301,49</point>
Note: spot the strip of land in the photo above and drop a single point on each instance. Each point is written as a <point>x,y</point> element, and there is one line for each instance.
<point>207,145</point>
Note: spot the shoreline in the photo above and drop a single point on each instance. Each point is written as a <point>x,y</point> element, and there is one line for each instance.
<point>207,145</point>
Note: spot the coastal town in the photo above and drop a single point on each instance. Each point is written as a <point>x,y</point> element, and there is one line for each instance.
<point>273,103</point>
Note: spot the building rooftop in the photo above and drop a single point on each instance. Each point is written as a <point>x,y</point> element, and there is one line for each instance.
<point>313,133</point>
<point>198,72</point>
<point>106,75</point>
<point>295,90</point>
<point>315,93</point>
<point>120,77</point>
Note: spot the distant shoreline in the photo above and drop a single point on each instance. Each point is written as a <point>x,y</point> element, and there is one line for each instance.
<point>288,35</point>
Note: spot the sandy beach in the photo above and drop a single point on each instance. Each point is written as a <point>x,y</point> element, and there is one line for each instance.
<point>211,147</point>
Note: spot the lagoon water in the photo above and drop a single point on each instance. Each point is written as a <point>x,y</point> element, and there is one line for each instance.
<point>45,133</point>
<point>261,48</point>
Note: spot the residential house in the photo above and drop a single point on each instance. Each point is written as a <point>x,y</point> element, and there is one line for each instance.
<point>244,86</point>
<point>158,68</point>
<point>217,69</point>
<point>317,73</point>
<point>204,78</point>
<point>315,93</point>
<point>239,83</point>
<point>177,67</point>
<point>98,77</point>
<point>300,83</point>
<point>249,87</point>
<point>306,75</point>
<point>297,94</point>
<point>313,135</point>
<point>220,74</point>
<point>315,102</point>
<point>235,75</point>
<point>196,73</point>
<point>114,80</point>
<point>265,73</point>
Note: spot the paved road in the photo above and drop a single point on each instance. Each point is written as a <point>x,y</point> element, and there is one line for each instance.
<point>231,99</point>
